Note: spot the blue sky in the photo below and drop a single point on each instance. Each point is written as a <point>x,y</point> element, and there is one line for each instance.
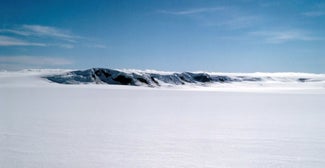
<point>172,35</point>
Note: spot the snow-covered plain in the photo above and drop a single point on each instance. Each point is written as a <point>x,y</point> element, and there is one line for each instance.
<point>253,125</point>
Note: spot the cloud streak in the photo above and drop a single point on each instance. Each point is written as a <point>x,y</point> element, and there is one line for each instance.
<point>192,11</point>
<point>238,22</point>
<point>314,13</point>
<point>34,60</point>
<point>318,10</point>
<point>97,46</point>
<point>38,30</point>
<point>10,41</point>
<point>41,31</point>
<point>284,36</point>
<point>42,36</point>
<point>227,17</point>
<point>14,31</point>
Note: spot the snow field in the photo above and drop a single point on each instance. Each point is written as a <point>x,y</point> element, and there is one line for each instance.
<point>50,125</point>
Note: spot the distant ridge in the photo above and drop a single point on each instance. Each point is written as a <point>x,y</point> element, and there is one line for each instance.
<point>156,79</point>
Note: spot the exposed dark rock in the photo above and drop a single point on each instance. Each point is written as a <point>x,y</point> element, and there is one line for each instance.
<point>201,77</point>
<point>154,80</point>
<point>124,80</point>
<point>143,80</point>
<point>303,79</point>
<point>115,77</point>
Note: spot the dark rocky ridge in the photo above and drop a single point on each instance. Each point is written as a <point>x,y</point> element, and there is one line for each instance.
<point>117,77</point>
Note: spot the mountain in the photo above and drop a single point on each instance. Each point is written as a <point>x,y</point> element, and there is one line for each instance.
<point>156,78</point>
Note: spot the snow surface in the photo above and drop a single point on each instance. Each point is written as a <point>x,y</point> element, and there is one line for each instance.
<point>45,124</point>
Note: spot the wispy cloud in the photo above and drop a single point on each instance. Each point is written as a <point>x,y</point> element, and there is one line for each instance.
<point>39,30</point>
<point>284,36</point>
<point>69,46</point>
<point>238,22</point>
<point>228,17</point>
<point>317,10</point>
<point>34,60</point>
<point>42,36</point>
<point>266,4</point>
<point>192,11</point>
<point>314,13</point>
<point>15,31</point>
<point>10,41</point>
<point>97,46</point>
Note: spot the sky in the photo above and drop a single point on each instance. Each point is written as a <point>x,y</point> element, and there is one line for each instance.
<point>168,35</point>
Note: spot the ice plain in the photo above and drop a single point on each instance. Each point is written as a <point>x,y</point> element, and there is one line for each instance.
<point>44,124</point>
